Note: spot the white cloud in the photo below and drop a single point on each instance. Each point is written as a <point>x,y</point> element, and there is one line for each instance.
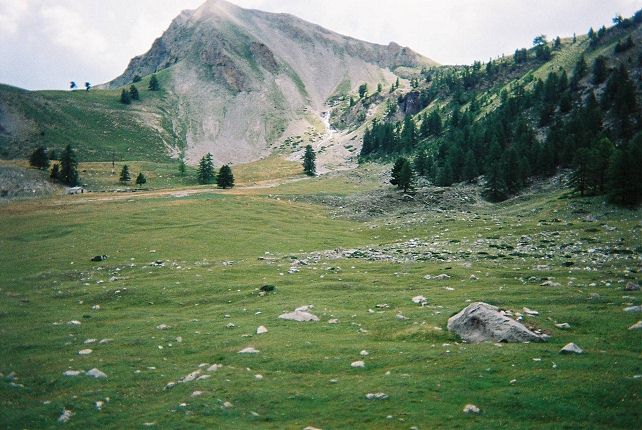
<point>11,15</point>
<point>46,43</point>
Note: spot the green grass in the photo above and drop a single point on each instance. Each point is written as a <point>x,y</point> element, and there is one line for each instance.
<point>219,248</point>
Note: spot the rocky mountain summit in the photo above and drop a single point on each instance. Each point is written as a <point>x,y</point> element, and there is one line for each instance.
<point>238,80</point>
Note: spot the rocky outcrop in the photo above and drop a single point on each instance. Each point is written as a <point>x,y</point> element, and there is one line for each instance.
<point>237,81</point>
<point>481,322</point>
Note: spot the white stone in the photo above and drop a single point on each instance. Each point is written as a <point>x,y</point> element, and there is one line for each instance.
<point>95,373</point>
<point>471,409</point>
<point>636,326</point>
<point>333,321</point>
<point>261,330</point>
<point>74,322</point>
<point>197,393</point>
<point>633,309</point>
<point>85,351</point>
<point>227,405</point>
<point>401,317</point>
<point>90,341</point>
<point>191,377</point>
<point>571,348</point>
<point>358,364</point>
<point>65,416</point>
<point>563,326</point>
<point>377,396</point>
<point>249,350</point>
<point>99,405</point>
<point>105,340</point>
<point>420,300</point>
<point>363,353</point>
<point>300,316</point>
<point>530,312</point>
<point>72,372</point>
<point>162,326</point>
<point>258,377</point>
<point>230,325</point>
<point>214,367</point>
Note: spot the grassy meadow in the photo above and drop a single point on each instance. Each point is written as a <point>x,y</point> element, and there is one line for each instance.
<point>215,249</point>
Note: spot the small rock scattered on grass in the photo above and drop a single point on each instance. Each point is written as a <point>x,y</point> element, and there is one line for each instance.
<point>249,350</point>
<point>471,409</point>
<point>65,416</point>
<point>261,330</point>
<point>377,396</point>
<point>636,326</point>
<point>571,348</point>
<point>358,364</point>
<point>95,373</point>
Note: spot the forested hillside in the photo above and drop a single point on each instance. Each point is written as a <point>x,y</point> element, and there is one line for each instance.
<point>562,104</point>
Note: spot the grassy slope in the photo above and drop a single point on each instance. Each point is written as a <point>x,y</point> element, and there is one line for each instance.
<point>94,122</point>
<point>48,278</point>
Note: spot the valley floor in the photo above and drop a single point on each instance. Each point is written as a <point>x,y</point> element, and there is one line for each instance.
<point>180,292</point>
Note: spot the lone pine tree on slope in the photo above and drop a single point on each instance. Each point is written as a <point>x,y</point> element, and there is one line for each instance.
<point>309,161</point>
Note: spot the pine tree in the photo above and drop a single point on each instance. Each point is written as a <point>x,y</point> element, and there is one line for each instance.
<point>153,83</point>
<point>181,166</point>
<point>141,179</point>
<point>309,161</point>
<point>55,172</point>
<point>580,177</point>
<point>39,158</point>
<point>133,93</point>
<point>225,178</point>
<point>363,90</point>
<point>470,171</point>
<point>396,171</point>
<point>205,173</point>
<point>422,164</point>
<point>125,177</point>
<point>625,175</point>
<point>406,177</point>
<point>600,71</point>
<point>445,176</point>
<point>125,97</point>
<point>69,167</point>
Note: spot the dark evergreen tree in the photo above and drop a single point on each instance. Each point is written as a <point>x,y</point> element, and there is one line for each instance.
<point>55,172</point>
<point>581,175</point>
<point>600,70</point>
<point>133,93</point>
<point>39,158</point>
<point>225,178</point>
<point>154,85</point>
<point>125,176</point>
<point>408,137</point>
<point>205,173</point>
<point>444,175</point>
<point>87,86</point>
<point>125,97</point>
<point>141,179</point>
<point>136,78</point>
<point>363,90</point>
<point>396,171</point>
<point>69,167</point>
<point>309,161</point>
<point>625,174</point>
<point>182,167</point>
<point>422,164</point>
<point>406,177</point>
<point>470,171</point>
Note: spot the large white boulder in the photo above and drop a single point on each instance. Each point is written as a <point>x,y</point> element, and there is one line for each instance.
<point>480,322</point>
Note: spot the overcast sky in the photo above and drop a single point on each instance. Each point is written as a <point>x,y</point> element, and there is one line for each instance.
<point>44,44</point>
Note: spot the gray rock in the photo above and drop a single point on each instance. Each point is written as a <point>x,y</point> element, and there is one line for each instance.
<point>631,286</point>
<point>301,316</point>
<point>358,364</point>
<point>377,396</point>
<point>571,348</point>
<point>95,373</point>
<point>65,416</point>
<point>471,409</point>
<point>261,330</point>
<point>633,309</point>
<point>563,326</point>
<point>480,322</point>
<point>420,300</point>
<point>72,372</point>
<point>249,350</point>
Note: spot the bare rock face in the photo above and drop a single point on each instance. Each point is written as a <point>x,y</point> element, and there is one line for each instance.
<point>481,322</point>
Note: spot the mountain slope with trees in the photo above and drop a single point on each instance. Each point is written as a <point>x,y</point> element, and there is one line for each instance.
<point>562,104</point>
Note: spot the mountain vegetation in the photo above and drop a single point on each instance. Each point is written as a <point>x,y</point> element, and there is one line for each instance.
<point>513,120</point>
